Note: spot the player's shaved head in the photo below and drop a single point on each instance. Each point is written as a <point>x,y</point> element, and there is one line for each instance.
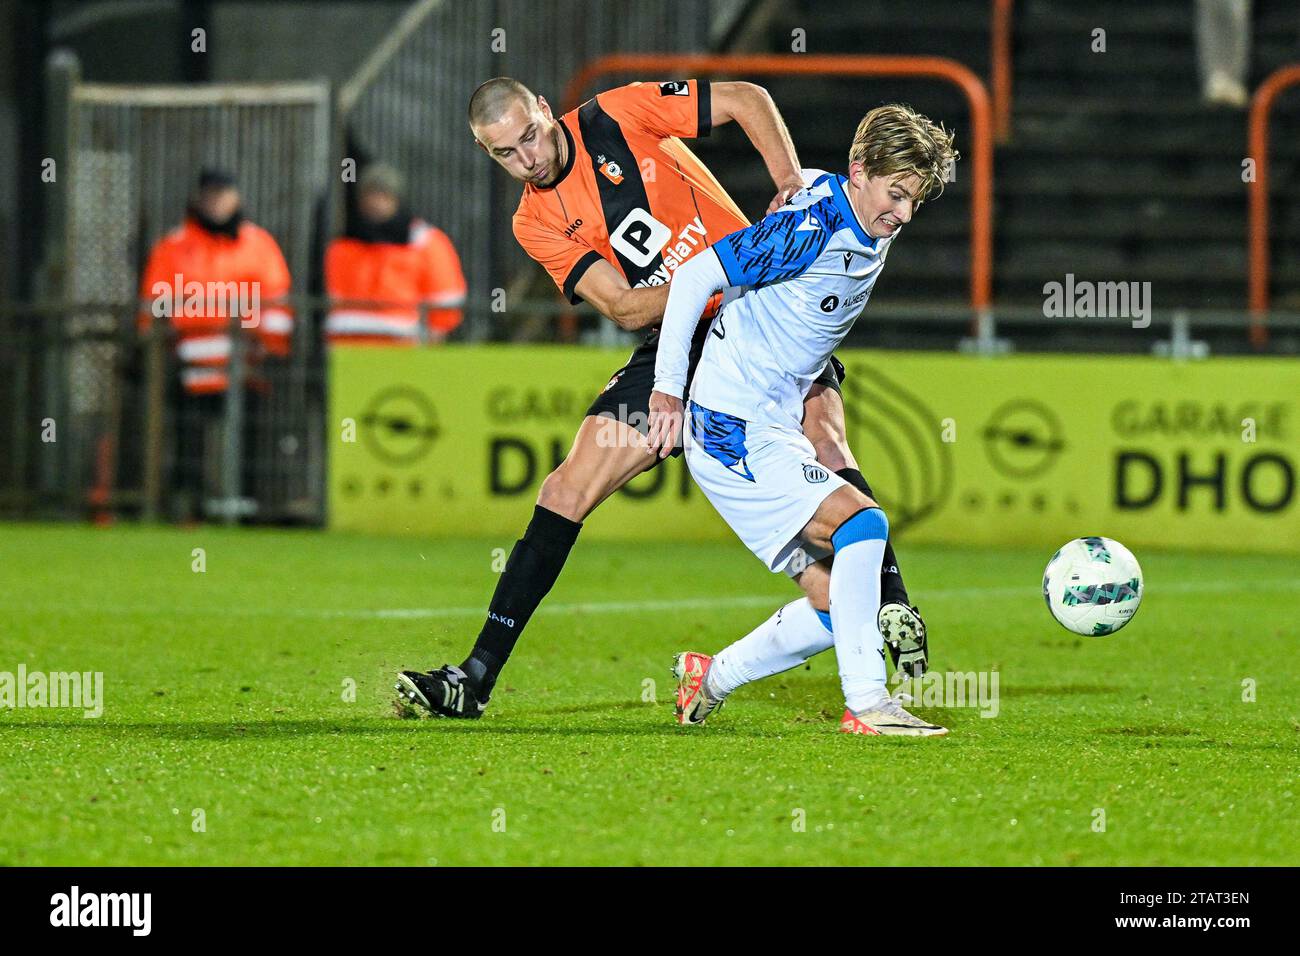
<point>492,99</point>
<point>517,129</point>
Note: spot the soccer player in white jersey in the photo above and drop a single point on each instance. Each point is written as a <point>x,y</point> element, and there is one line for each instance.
<point>793,285</point>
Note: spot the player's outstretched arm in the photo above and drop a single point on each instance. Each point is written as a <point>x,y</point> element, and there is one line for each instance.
<point>753,108</point>
<point>692,286</point>
<point>605,288</point>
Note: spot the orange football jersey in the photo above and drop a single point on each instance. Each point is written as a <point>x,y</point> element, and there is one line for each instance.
<point>630,192</point>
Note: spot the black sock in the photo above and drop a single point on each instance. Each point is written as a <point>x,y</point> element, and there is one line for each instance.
<point>891,579</point>
<point>532,568</point>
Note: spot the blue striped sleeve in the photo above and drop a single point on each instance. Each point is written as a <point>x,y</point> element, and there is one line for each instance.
<point>780,246</point>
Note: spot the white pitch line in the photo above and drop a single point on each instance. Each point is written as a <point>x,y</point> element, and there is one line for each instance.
<point>622,607</point>
<point>610,607</point>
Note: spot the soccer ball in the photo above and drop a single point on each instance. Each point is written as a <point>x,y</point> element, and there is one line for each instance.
<point>1093,586</point>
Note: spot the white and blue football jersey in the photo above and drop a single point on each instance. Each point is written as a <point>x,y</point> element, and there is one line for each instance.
<point>795,283</point>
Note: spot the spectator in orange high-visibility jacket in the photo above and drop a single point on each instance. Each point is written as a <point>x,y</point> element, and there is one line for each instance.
<point>388,266</point>
<point>215,263</point>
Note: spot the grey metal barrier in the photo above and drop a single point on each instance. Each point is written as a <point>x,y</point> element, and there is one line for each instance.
<point>134,442</point>
<point>128,158</point>
<point>146,449</point>
<point>406,105</point>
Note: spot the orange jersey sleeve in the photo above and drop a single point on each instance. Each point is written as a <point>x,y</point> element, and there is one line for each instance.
<point>678,108</point>
<point>564,258</point>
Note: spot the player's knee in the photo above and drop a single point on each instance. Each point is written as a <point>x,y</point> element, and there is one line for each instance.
<point>845,503</point>
<point>835,511</point>
<point>867,524</point>
<point>566,495</point>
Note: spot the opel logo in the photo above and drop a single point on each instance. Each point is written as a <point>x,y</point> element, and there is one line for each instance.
<point>1023,439</point>
<point>400,425</point>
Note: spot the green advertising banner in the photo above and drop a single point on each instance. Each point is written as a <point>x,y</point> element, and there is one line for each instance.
<point>1016,450</point>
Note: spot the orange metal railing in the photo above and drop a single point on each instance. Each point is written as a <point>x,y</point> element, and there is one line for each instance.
<point>1000,68</point>
<point>931,67</point>
<point>1261,106</point>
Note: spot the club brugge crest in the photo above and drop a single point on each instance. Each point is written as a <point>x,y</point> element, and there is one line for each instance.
<point>814,474</point>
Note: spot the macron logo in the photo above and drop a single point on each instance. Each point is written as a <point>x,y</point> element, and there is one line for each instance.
<point>103,909</point>
<point>808,225</point>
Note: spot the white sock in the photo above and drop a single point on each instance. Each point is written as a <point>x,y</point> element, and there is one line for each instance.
<point>785,640</point>
<point>855,601</point>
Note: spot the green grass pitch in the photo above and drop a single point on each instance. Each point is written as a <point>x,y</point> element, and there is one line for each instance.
<point>227,736</point>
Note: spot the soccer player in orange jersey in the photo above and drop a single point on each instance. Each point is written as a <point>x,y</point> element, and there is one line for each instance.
<point>613,203</point>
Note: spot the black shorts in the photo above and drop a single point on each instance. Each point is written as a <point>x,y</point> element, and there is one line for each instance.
<point>627,396</point>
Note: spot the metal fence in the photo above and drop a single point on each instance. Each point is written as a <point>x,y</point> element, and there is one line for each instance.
<point>121,430</point>
<point>129,157</point>
<point>406,105</point>
<point>91,416</point>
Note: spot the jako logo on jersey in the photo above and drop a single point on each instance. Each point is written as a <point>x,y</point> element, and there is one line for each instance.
<point>814,475</point>
<point>830,303</point>
<point>675,88</point>
<point>611,170</point>
<point>572,228</point>
<point>507,621</point>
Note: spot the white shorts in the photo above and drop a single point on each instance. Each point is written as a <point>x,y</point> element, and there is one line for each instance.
<point>763,479</point>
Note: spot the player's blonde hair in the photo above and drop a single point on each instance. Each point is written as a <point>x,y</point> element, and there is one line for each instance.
<point>897,141</point>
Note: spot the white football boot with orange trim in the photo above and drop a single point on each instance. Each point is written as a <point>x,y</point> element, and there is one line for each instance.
<point>888,719</point>
<point>693,703</point>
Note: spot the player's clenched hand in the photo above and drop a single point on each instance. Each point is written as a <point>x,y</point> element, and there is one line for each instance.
<point>783,194</point>
<point>665,423</point>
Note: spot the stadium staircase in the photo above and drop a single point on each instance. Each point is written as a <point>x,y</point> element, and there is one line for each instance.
<point>1114,169</point>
